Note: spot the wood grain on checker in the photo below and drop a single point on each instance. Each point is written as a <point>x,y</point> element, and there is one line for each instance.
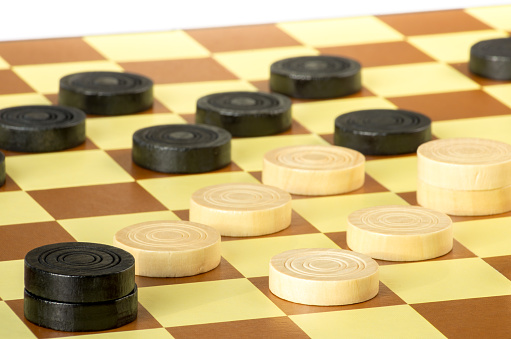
<point>415,62</point>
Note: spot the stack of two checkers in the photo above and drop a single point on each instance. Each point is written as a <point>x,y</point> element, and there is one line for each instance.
<point>80,287</point>
<point>465,176</point>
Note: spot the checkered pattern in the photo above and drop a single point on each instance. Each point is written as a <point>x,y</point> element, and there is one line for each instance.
<point>415,61</point>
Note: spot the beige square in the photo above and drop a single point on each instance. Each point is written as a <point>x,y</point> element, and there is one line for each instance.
<point>3,64</point>
<point>46,78</point>
<point>251,256</point>
<point>500,92</point>
<point>11,326</point>
<point>12,282</point>
<point>153,333</point>
<point>345,31</point>
<point>495,128</point>
<point>65,169</point>
<point>497,16</point>
<point>117,132</point>
<point>396,174</point>
<point>259,60</point>
<point>389,322</point>
<point>414,79</point>
<point>148,46</point>
<point>319,116</point>
<point>23,99</point>
<point>454,47</point>
<point>248,153</point>
<point>18,208</point>
<point>206,302</point>
<point>102,229</point>
<point>330,214</point>
<point>430,281</point>
<point>175,192</point>
<point>182,98</point>
<point>487,237</point>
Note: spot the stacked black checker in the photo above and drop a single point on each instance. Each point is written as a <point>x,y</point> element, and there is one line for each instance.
<point>79,286</point>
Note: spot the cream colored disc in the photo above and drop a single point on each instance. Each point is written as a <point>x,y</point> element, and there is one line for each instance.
<point>323,276</point>
<point>242,209</point>
<point>466,164</point>
<point>399,233</point>
<point>314,170</point>
<point>464,203</point>
<point>170,248</point>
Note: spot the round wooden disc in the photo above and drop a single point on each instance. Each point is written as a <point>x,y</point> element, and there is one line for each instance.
<point>382,131</point>
<point>79,272</point>
<point>465,164</point>
<point>464,203</point>
<point>182,148</point>
<point>40,128</point>
<point>491,59</point>
<point>245,114</point>
<point>399,233</point>
<point>79,317</point>
<point>170,248</point>
<point>316,77</point>
<point>106,93</point>
<point>323,276</point>
<point>242,209</point>
<point>314,170</point>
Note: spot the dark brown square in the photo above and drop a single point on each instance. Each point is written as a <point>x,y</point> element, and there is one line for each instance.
<point>124,159</point>
<point>433,22</point>
<point>501,264</point>
<point>385,297</point>
<point>158,107</point>
<point>470,318</point>
<point>279,327</point>
<point>176,71</point>
<point>9,185</point>
<point>223,271</point>
<point>454,105</point>
<point>32,52</point>
<point>458,250</point>
<point>93,201</point>
<point>19,239</point>
<point>144,321</point>
<point>227,39</point>
<point>10,83</point>
<point>380,54</point>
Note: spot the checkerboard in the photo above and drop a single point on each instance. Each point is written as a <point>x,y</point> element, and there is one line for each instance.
<point>415,61</point>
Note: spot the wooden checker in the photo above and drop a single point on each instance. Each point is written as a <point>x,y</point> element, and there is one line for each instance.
<point>417,62</point>
<point>242,209</point>
<point>468,164</point>
<point>170,248</point>
<point>399,233</point>
<point>323,277</point>
<point>314,170</point>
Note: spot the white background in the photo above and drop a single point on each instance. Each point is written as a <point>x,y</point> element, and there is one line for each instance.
<point>34,19</point>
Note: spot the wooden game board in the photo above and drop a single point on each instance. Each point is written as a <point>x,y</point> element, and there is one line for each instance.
<point>416,62</point>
